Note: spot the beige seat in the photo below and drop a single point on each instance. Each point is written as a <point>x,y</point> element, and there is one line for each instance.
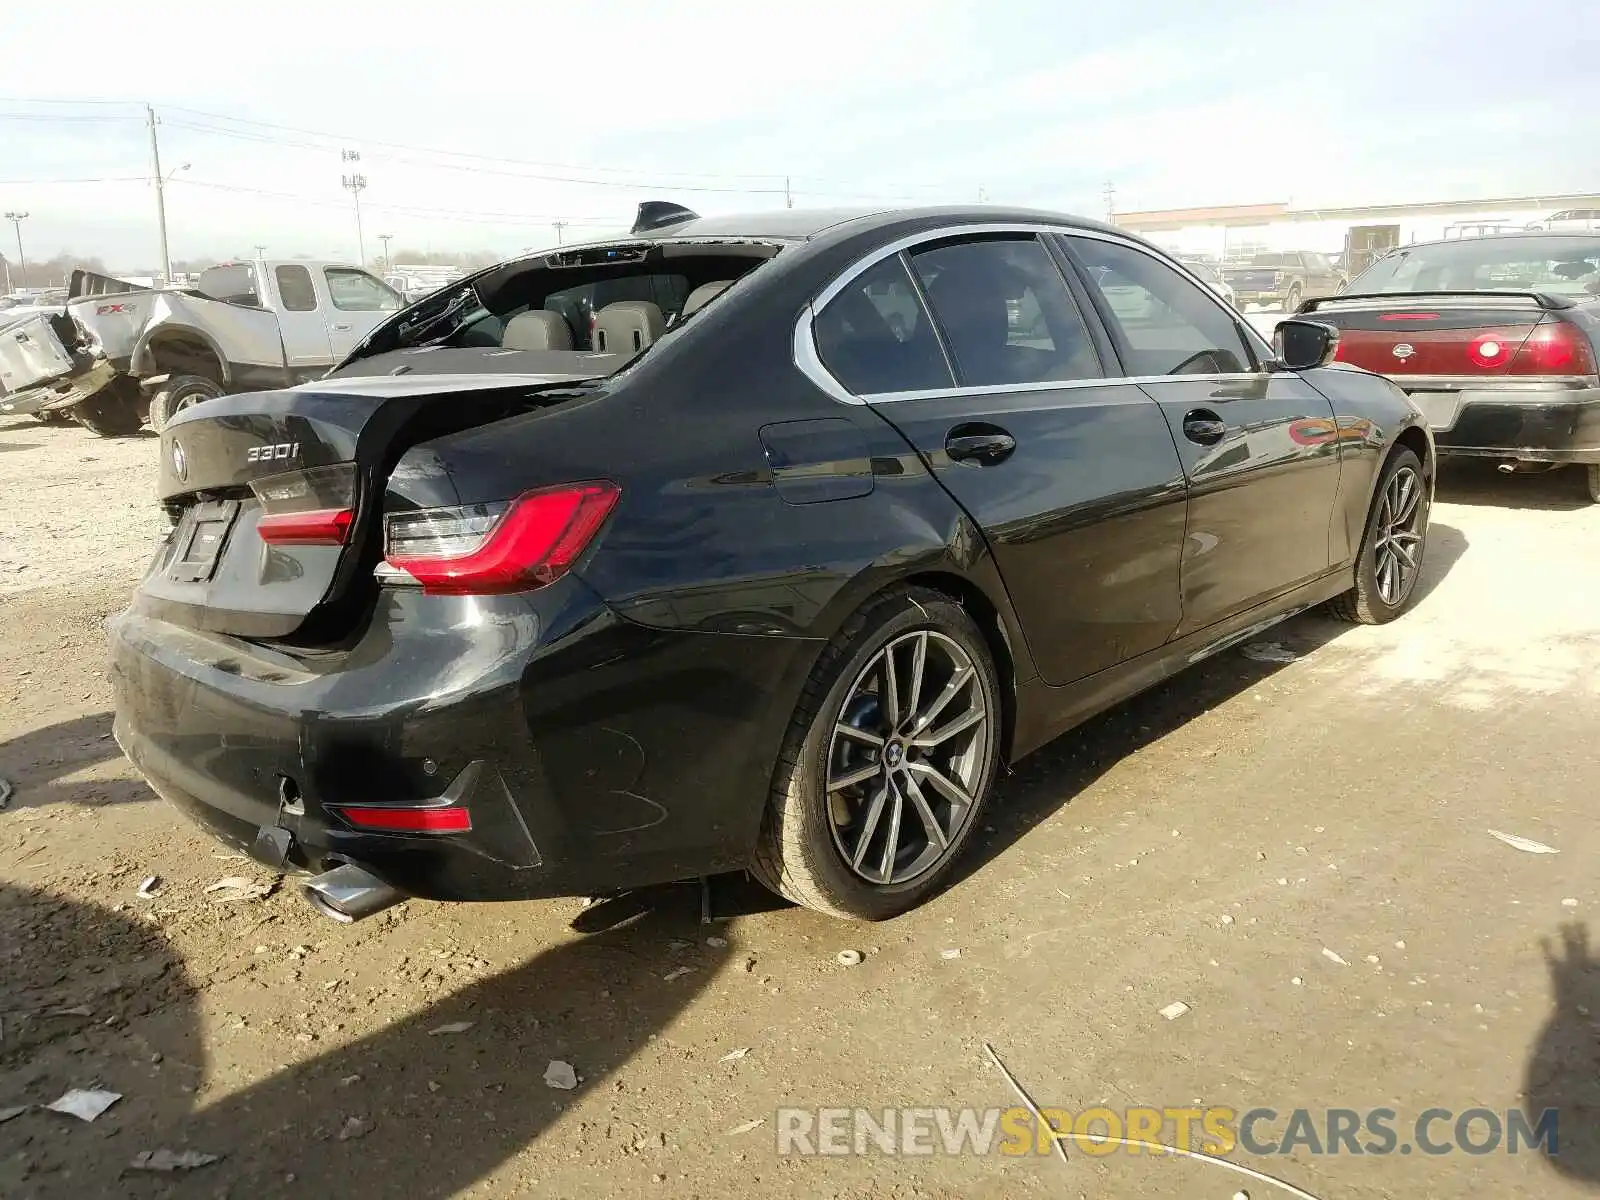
<point>627,326</point>
<point>537,329</point>
<point>704,295</point>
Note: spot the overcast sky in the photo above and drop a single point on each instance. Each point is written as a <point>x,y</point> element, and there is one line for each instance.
<point>458,110</point>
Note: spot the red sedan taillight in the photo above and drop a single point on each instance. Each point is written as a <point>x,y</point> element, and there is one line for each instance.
<point>1554,347</point>
<point>486,549</point>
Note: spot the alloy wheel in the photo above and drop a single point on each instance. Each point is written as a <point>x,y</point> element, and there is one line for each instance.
<point>1397,546</point>
<point>907,753</point>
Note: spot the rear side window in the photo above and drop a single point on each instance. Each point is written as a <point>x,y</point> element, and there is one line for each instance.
<point>1168,325</point>
<point>1006,313</point>
<point>295,289</point>
<point>356,291</point>
<point>875,336</point>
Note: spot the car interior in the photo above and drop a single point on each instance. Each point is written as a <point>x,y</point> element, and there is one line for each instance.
<point>600,309</point>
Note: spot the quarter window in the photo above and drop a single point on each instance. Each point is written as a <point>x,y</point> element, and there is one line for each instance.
<point>875,336</point>
<point>295,289</point>
<point>1167,325</point>
<point>356,291</point>
<point>1005,312</point>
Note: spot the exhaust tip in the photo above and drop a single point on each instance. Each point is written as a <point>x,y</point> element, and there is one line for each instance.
<point>348,894</point>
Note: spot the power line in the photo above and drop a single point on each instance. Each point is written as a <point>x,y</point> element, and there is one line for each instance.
<point>88,179</point>
<point>405,209</point>
<point>345,137</point>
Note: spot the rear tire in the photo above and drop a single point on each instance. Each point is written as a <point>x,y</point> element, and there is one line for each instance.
<point>113,411</point>
<point>178,393</point>
<point>811,847</point>
<point>1396,535</point>
<point>1292,301</point>
<point>1594,481</point>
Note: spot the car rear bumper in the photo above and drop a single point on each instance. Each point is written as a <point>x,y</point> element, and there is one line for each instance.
<point>592,754</point>
<point>1532,424</point>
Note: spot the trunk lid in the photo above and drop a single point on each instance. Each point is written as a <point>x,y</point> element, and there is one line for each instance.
<point>318,448</point>
<point>1402,334</point>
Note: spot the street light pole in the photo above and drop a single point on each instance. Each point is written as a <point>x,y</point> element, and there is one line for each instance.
<point>16,219</point>
<point>161,195</point>
<point>388,263</point>
<point>353,184</point>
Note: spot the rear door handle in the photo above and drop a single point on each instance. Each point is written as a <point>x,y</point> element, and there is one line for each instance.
<point>981,444</point>
<point>340,328</point>
<point>1204,427</point>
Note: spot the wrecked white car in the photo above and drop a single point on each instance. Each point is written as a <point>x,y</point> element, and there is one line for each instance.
<point>119,354</point>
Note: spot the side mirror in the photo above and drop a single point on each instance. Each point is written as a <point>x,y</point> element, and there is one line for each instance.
<point>1303,345</point>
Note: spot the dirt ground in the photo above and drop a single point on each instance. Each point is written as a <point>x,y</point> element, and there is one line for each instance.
<point>1297,850</point>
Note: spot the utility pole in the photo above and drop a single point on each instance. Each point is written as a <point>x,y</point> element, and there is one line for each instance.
<point>16,219</point>
<point>388,263</point>
<point>161,195</point>
<point>788,196</point>
<point>983,196</point>
<point>353,184</point>
<point>560,227</point>
<point>1110,194</point>
<point>261,251</point>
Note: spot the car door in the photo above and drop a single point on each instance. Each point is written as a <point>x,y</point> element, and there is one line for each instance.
<point>300,319</point>
<point>359,302</point>
<point>1071,476</point>
<point>1259,446</point>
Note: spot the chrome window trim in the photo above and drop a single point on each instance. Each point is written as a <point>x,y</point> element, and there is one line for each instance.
<point>810,364</point>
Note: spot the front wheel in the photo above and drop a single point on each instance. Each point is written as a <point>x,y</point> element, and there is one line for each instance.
<point>1390,561</point>
<point>1594,482</point>
<point>889,761</point>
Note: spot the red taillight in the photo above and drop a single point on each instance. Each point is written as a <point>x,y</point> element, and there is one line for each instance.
<point>315,507</point>
<point>1409,317</point>
<point>1491,351</point>
<point>398,819</point>
<point>1554,348</point>
<point>318,527</point>
<point>486,549</point>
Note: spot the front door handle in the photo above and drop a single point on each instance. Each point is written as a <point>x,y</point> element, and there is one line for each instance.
<point>981,444</point>
<point>1204,427</point>
<point>340,328</point>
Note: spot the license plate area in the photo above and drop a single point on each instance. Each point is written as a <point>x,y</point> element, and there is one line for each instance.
<point>1439,408</point>
<point>200,537</point>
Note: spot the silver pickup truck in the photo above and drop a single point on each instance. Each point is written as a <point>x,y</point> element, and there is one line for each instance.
<point>119,354</point>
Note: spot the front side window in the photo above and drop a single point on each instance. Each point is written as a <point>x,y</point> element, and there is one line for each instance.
<point>295,289</point>
<point>1168,325</point>
<point>356,291</point>
<point>875,336</point>
<point>1005,312</point>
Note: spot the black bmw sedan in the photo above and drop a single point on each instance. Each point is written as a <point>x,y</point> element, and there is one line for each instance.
<point>738,543</point>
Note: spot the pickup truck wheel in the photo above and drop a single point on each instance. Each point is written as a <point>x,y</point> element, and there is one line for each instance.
<point>889,761</point>
<point>180,392</point>
<point>1594,482</point>
<point>1292,302</point>
<point>113,411</point>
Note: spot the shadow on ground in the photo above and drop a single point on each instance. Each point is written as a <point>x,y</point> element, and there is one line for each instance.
<point>1477,482</point>
<point>1563,1071</point>
<point>1053,776</point>
<point>35,760</point>
<point>432,1114</point>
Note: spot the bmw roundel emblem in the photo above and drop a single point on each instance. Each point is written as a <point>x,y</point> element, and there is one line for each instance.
<point>180,461</point>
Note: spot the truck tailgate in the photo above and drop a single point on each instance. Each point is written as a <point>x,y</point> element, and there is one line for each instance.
<point>31,354</point>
